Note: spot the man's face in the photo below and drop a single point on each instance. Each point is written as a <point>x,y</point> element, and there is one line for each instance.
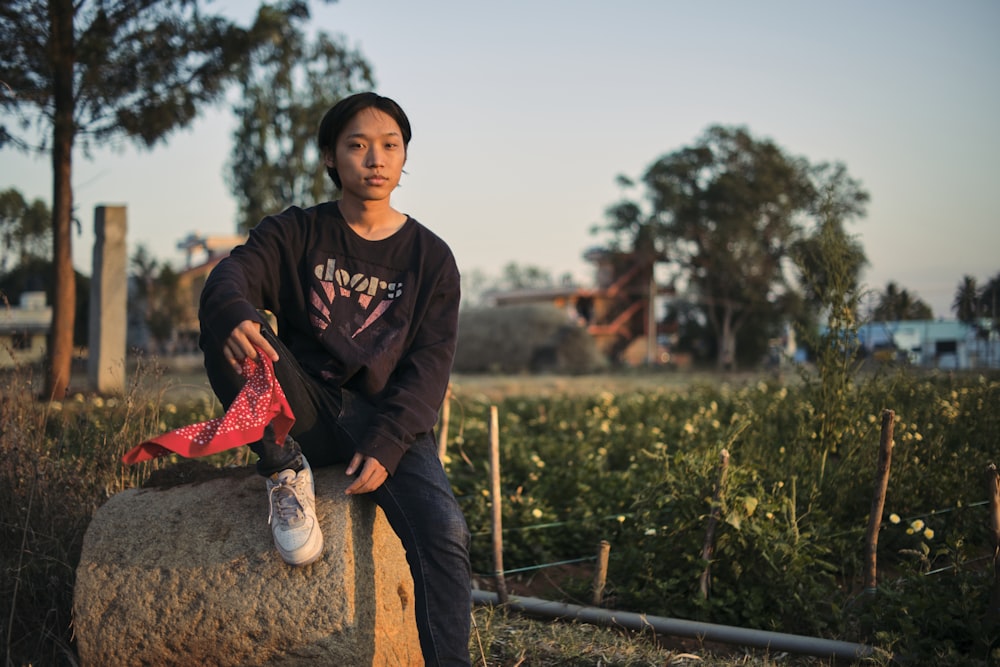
<point>369,155</point>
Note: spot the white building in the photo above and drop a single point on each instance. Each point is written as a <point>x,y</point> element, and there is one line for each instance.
<point>24,330</point>
<point>947,344</point>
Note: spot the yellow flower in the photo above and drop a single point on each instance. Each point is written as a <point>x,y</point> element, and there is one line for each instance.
<point>917,525</point>
<point>928,533</point>
<point>621,518</point>
<point>537,513</point>
<point>894,518</point>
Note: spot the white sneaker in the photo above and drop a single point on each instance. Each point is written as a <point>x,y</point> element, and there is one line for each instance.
<point>292,515</point>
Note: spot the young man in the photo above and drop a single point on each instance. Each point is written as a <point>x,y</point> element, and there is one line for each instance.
<point>366,303</point>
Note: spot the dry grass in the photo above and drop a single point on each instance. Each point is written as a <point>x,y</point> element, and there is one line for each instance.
<point>503,639</point>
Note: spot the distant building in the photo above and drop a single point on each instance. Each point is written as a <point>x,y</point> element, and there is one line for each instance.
<point>617,312</point>
<point>946,344</point>
<point>24,330</point>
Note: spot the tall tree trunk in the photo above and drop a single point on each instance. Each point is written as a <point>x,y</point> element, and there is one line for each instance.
<point>63,131</point>
<point>726,358</point>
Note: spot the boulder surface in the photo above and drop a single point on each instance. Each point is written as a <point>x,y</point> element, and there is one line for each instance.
<point>188,575</point>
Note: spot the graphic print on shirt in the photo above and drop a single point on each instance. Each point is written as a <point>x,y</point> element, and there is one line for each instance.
<point>369,294</point>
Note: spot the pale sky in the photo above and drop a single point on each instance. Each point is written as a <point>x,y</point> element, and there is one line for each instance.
<point>525,111</point>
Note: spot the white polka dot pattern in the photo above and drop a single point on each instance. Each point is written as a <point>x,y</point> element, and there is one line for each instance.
<point>259,403</point>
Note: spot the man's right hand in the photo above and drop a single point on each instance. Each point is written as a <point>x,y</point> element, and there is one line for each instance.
<point>243,342</point>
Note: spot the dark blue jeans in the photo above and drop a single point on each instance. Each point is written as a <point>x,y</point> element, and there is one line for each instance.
<point>417,499</point>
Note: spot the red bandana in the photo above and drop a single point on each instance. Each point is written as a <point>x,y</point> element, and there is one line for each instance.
<point>259,403</point>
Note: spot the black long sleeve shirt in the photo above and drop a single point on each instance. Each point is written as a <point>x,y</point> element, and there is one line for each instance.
<point>379,318</point>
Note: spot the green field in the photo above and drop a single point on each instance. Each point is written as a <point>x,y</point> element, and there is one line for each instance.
<point>634,460</point>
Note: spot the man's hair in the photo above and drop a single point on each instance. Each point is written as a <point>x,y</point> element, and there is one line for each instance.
<point>337,118</point>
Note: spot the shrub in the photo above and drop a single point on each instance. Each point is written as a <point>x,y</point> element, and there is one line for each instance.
<point>522,339</point>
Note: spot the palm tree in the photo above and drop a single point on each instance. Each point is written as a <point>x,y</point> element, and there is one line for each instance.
<point>899,304</point>
<point>966,303</point>
<point>989,299</point>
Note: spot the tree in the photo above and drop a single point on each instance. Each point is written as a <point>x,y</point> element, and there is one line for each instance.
<point>895,304</point>
<point>275,160</point>
<point>724,211</point>
<point>966,304</point>
<point>830,263</point>
<point>829,260</point>
<point>90,71</point>
<point>989,299</point>
<point>25,230</point>
<point>524,276</point>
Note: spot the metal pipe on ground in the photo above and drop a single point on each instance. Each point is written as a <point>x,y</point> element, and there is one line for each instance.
<point>726,634</point>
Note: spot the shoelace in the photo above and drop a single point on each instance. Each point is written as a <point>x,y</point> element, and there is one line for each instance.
<point>285,497</point>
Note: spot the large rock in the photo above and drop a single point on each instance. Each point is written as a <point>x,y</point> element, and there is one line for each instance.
<point>188,575</point>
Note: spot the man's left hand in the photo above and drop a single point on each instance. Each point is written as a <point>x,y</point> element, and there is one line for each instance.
<point>372,474</point>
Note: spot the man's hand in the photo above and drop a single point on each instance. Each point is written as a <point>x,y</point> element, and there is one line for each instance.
<point>243,342</point>
<point>371,476</point>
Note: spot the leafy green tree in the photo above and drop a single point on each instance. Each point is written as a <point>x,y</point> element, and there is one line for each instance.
<point>275,161</point>
<point>724,211</point>
<point>167,306</point>
<point>830,263</point>
<point>91,71</point>
<point>158,297</point>
<point>897,303</point>
<point>25,230</point>
<point>829,260</point>
<point>524,276</point>
<point>966,303</point>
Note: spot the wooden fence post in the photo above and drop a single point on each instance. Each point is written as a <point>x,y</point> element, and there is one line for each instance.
<point>713,519</point>
<point>443,429</point>
<point>496,505</point>
<point>878,501</point>
<point>601,571</point>
<point>993,496</point>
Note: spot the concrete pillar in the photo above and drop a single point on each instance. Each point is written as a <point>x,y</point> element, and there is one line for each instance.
<point>108,301</point>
